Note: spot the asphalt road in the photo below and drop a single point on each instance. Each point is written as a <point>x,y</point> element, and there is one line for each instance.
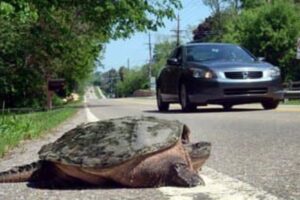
<point>255,153</point>
<point>257,147</point>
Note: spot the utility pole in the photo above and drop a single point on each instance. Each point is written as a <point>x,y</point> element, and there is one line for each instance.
<point>150,59</point>
<point>128,63</point>
<point>178,31</point>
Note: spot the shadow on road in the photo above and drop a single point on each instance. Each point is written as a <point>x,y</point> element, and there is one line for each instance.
<point>87,105</point>
<point>77,185</point>
<point>97,105</point>
<point>206,110</point>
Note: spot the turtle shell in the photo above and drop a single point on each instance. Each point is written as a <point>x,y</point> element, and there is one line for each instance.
<point>111,142</point>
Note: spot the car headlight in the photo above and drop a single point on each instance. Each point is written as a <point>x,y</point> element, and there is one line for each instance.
<point>201,73</point>
<point>274,72</point>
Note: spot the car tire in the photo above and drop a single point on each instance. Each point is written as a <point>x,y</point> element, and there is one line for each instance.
<point>185,103</point>
<point>161,105</point>
<point>270,104</point>
<point>227,106</point>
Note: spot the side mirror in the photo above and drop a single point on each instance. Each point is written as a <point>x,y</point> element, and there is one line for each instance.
<point>261,59</point>
<point>173,61</point>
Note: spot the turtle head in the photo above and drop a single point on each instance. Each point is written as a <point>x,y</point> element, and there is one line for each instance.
<point>198,152</point>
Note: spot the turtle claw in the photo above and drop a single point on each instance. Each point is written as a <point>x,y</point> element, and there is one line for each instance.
<point>201,181</point>
<point>183,176</point>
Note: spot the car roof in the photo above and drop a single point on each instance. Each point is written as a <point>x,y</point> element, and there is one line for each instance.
<point>195,43</point>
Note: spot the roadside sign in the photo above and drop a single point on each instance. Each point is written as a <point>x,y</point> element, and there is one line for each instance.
<point>56,84</point>
<point>298,49</point>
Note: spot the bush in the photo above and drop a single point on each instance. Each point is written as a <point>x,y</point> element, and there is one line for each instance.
<point>133,80</point>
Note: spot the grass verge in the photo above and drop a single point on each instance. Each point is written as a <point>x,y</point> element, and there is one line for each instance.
<point>17,127</point>
<point>292,102</point>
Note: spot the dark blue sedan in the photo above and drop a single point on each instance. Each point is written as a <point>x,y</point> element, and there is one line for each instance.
<point>217,73</point>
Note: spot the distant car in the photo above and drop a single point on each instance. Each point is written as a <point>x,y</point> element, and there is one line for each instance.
<point>217,73</point>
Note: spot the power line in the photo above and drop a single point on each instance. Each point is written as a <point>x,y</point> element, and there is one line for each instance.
<point>128,63</point>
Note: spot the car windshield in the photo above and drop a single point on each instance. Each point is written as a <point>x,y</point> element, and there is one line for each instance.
<point>199,53</point>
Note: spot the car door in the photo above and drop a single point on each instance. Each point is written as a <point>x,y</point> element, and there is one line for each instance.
<point>175,73</point>
<point>164,81</point>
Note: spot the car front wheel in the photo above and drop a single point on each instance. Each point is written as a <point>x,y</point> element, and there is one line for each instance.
<point>270,104</point>
<point>186,105</point>
<point>161,105</point>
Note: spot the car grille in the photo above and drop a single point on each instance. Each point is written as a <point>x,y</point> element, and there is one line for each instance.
<point>244,75</point>
<point>245,91</point>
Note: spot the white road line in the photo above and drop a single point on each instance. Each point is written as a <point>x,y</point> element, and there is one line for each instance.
<point>90,93</point>
<point>218,186</point>
<point>101,93</point>
<point>90,116</point>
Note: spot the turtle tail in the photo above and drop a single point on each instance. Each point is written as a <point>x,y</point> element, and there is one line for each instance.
<point>22,173</point>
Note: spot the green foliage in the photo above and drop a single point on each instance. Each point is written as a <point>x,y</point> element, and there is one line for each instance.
<point>109,81</point>
<point>215,5</point>
<point>213,27</point>
<point>96,79</point>
<point>270,30</point>
<point>162,51</point>
<point>16,79</point>
<point>57,101</point>
<point>42,39</point>
<point>292,102</point>
<point>252,3</point>
<point>126,81</point>
<point>134,79</point>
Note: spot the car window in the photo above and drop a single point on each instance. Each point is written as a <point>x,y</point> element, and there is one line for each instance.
<point>218,52</point>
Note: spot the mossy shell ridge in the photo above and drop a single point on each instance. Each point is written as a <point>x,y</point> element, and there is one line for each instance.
<point>111,142</point>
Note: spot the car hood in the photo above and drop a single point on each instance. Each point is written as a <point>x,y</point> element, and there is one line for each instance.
<point>225,65</point>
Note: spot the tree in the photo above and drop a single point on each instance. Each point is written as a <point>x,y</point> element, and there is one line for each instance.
<point>43,39</point>
<point>137,78</point>
<point>247,4</point>
<point>212,28</point>
<point>17,82</point>
<point>162,51</point>
<point>122,70</point>
<point>109,80</point>
<point>217,7</point>
<point>97,79</point>
<point>235,4</point>
<point>270,30</point>
<point>205,31</point>
<point>134,79</point>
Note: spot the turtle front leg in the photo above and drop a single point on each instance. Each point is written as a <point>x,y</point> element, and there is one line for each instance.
<point>182,175</point>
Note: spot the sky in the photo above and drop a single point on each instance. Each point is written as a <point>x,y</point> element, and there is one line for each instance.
<point>136,49</point>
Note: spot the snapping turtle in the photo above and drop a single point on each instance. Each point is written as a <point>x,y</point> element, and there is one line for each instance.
<point>131,151</point>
